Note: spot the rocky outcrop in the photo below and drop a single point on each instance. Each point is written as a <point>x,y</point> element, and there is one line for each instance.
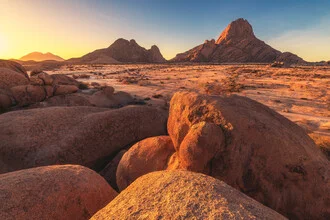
<point>60,79</point>
<point>43,86</point>
<point>183,195</point>
<point>87,136</point>
<point>28,94</point>
<point>237,44</point>
<point>122,51</point>
<point>53,192</point>
<point>151,154</point>
<point>250,147</point>
<point>6,99</point>
<point>11,74</point>
<point>10,78</point>
<point>14,66</point>
<point>104,97</point>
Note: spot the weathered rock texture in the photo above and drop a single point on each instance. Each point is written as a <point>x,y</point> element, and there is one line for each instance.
<point>10,78</point>
<point>43,86</point>
<point>14,66</point>
<point>237,44</point>
<point>250,147</point>
<point>77,135</point>
<point>122,51</point>
<point>11,74</point>
<point>151,154</point>
<point>183,195</point>
<point>53,192</point>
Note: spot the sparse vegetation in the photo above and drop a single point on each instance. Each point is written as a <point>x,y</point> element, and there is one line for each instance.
<point>227,85</point>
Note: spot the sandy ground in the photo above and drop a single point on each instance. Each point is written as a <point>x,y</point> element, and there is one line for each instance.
<point>301,94</point>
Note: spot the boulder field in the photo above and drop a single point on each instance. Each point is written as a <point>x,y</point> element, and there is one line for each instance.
<point>243,143</point>
<point>18,90</point>
<point>53,192</point>
<point>183,195</point>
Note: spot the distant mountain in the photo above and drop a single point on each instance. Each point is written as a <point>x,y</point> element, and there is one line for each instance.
<point>37,56</point>
<point>122,51</point>
<point>237,44</point>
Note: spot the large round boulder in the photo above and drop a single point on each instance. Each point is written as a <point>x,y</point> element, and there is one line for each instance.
<point>6,99</point>
<point>29,94</point>
<point>105,99</point>
<point>263,154</point>
<point>151,154</point>
<point>87,136</point>
<point>10,78</point>
<point>14,66</point>
<point>41,78</point>
<point>65,89</point>
<point>250,147</point>
<point>53,192</point>
<point>183,195</point>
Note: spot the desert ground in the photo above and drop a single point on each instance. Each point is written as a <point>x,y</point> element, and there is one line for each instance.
<point>302,93</point>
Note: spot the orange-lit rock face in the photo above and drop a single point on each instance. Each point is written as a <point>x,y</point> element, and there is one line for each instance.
<point>252,148</point>
<point>53,192</point>
<point>237,44</point>
<point>199,147</point>
<point>239,29</point>
<point>265,155</point>
<point>183,195</point>
<point>146,156</point>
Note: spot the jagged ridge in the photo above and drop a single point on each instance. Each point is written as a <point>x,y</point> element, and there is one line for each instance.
<point>122,51</point>
<point>236,44</point>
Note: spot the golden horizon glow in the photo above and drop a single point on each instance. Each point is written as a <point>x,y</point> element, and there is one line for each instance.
<point>73,28</point>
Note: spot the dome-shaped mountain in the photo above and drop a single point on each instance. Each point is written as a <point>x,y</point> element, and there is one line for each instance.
<point>236,44</point>
<point>122,51</point>
<point>37,56</point>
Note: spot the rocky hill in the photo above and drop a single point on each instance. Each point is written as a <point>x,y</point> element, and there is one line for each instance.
<point>37,56</point>
<point>237,44</point>
<point>122,51</point>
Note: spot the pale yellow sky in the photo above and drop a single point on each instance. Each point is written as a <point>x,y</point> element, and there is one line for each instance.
<point>72,29</point>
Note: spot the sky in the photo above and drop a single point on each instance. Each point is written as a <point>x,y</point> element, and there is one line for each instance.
<point>72,28</point>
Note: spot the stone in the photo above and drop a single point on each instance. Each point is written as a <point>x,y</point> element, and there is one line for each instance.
<point>264,155</point>
<point>10,78</point>
<point>146,156</point>
<point>65,89</point>
<point>53,192</point>
<point>29,94</point>
<point>81,135</point>
<point>183,195</point>
<point>14,66</point>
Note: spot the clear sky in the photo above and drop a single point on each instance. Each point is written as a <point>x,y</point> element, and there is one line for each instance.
<point>72,28</point>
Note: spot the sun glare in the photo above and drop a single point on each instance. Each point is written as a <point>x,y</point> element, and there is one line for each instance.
<point>3,44</point>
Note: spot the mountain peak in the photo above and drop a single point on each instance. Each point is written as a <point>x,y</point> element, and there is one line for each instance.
<point>236,30</point>
<point>38,56</point>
